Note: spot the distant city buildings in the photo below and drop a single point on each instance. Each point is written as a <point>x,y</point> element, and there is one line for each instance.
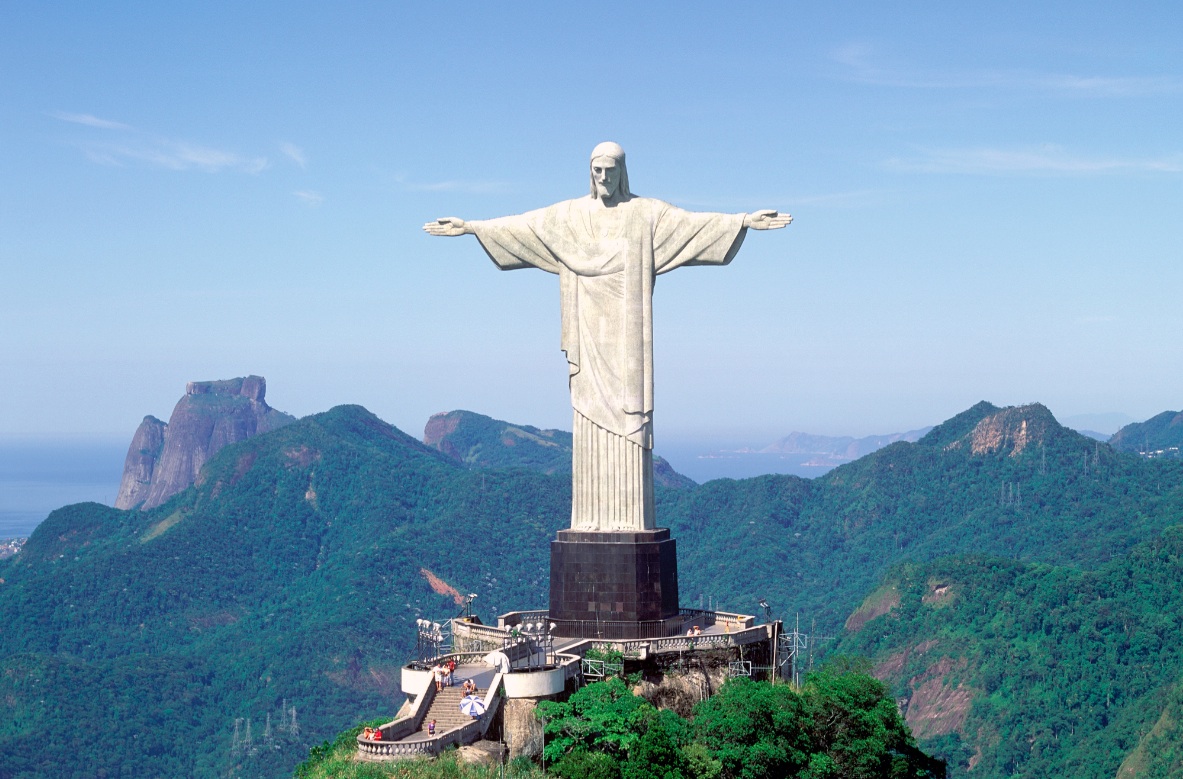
<point>1171,452</point>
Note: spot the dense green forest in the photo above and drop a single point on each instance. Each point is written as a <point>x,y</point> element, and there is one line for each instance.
<point>1018,669</point>
<point>290,576</point>
<point>838,725</point>
<point>1009,482</point>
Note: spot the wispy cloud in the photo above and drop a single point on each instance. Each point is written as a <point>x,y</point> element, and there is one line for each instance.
<point>1044,159</point>
<point>309,198</point>
<point>860,65</point>
<point>173,155</point>
<point>295,153</point>
<point>90,121</point>
<point>133,145</point>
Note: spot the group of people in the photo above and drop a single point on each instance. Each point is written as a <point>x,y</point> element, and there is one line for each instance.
<point>442,673</point>
<point>372,734</point>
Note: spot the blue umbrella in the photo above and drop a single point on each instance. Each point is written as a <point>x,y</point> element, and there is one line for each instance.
<point>472,706</point>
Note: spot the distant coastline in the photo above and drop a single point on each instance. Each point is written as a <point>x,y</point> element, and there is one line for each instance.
<point>40,475</point>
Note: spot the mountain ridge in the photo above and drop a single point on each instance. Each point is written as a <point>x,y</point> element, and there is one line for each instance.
<point>291,572</point>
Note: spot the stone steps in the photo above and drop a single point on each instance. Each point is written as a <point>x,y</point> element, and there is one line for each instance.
<point>445,710</point>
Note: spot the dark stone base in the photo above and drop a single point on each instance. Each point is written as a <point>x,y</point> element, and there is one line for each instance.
<point>614,584</point>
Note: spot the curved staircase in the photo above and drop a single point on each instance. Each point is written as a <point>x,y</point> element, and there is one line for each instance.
<point>407,736</point>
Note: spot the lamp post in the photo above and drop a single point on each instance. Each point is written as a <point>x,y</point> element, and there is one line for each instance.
<point>430,636</point>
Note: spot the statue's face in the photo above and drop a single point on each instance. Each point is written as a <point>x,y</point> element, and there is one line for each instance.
<point>606,175</point>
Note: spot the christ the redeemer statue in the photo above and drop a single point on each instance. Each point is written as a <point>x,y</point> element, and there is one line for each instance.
<point>607,249</point>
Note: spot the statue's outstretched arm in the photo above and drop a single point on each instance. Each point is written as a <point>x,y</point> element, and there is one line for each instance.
<point>767,219</point>
<point>448,225</point>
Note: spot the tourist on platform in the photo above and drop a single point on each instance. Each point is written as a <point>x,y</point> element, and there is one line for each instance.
<point>377,734</point>
<point>368,734</point>
<point>469,687</point>
<point>431,728</point>
<point>437,672</point>
<point>451,671</point>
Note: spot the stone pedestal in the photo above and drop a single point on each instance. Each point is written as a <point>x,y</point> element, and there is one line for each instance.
<point>614,584</point>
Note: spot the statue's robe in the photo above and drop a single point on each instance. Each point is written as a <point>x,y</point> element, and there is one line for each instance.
<point>607,260</point>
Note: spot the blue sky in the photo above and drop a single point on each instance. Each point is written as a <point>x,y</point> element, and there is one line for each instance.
<point>987,205</point>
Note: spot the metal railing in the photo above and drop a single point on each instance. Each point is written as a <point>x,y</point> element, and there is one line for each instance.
<point>618,630</point>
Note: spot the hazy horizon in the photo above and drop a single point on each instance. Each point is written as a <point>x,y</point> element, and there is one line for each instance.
<point>41,473</point>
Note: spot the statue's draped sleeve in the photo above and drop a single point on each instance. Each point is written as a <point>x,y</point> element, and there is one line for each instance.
<point>694,238</point>
<point>523,241</point>
<point>540,239</point>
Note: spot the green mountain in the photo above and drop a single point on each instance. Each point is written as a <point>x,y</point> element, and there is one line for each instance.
<point>290,575</point>
<point>1018,669</point>
<point>1010,482</point>
<point>139,643</point>
<point>1159,436</point>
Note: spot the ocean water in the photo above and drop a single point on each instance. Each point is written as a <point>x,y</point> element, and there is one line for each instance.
<point>706,459</point>
<point>40,475</point>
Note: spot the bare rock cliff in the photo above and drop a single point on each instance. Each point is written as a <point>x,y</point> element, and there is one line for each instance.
<point>140,462</point>
<point>165,459</point>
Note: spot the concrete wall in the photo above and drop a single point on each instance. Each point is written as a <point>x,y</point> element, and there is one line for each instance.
<point>538,684</point>
<point>415,682</point>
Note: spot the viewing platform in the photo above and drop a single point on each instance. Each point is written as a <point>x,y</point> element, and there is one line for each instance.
<point>535,663</point>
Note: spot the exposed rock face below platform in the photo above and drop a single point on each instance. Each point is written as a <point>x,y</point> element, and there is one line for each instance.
<point>523,730</point>
<point>165,459</point>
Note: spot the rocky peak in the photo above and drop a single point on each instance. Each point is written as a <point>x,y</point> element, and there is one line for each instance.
<point>1011,430</point>
<point>164,459</point>
<point>251,387</point>
<point>140,462</point>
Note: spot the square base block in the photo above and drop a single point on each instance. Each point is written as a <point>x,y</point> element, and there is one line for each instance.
<point>614,584</point>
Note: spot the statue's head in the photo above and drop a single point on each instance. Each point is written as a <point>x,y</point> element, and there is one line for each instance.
<point>609,176</point>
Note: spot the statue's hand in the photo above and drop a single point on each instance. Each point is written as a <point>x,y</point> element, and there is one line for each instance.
<point>767,219</point>
<point>448,225</point>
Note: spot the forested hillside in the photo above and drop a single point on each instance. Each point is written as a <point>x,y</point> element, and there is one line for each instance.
<point>1013,669</point>
<point>1159,436</point>
<point>291,574</point>
<point>1009,482</point>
